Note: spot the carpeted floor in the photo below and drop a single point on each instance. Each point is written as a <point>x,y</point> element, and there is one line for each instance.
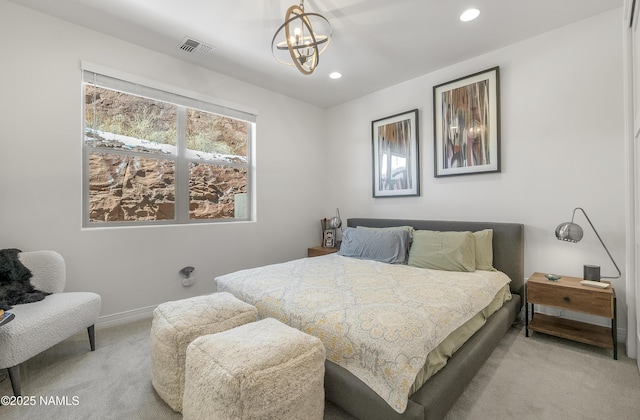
<point>539,377</point>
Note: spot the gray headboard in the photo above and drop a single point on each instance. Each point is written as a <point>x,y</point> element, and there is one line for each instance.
<point>508,241</point>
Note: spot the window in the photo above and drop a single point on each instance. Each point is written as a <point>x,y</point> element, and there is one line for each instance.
<point>156,157</point>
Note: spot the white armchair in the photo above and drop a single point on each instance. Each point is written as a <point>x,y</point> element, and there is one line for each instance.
<point>40,325</point>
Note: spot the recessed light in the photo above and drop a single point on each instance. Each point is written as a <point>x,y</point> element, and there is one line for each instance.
<point>335,75</point>
<point>469,15</point>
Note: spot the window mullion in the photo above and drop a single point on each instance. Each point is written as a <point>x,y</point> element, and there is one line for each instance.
<point>182,167</point>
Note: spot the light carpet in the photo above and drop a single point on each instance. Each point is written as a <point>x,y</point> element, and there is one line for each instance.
<point>539,377</point>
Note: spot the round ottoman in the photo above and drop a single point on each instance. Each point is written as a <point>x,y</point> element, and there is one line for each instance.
<point>264,370</point>
<point>176,324</point>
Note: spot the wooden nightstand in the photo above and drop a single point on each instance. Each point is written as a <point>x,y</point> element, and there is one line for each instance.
<point>316,251</point>
<point>568,293</point>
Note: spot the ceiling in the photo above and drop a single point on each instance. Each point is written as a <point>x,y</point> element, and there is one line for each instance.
<point>376,43</point>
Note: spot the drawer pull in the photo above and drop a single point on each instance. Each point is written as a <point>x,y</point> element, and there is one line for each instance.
<point>566,299</point>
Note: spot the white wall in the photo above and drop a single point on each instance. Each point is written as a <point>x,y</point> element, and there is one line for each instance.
<point>562,147</point>
<point>40,167</point>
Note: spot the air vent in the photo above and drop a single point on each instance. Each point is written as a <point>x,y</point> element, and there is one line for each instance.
<point>191,46</point>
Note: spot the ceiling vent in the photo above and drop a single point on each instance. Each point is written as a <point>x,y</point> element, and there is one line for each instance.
<point>191,46</point>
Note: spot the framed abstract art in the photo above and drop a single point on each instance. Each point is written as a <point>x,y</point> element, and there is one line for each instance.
<point>396,169</point>
<point>467,124</point>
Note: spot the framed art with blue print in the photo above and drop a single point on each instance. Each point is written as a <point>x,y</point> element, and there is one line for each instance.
<point>396,170</point>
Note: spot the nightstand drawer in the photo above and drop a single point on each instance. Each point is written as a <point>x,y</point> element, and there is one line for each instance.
<point>573,299</point>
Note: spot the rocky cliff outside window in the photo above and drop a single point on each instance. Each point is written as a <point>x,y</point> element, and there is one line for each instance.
<point>155,157</point>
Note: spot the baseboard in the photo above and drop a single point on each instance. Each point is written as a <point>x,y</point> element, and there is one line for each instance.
<point>125,317</point>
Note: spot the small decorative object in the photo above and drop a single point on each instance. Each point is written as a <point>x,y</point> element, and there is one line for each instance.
<point>552,277</point>
<point>6,317</point>
<point>396,169</point>
<point>572,232</point>
<point>592,283</point>
<point>329,230</point>
<point>591,272</point>
<point>467,124</point>
<point>300,45</point>
<point>336,223</point>
<point>329,238</point>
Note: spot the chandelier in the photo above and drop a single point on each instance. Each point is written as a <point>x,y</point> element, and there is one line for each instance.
<point>301,46</point>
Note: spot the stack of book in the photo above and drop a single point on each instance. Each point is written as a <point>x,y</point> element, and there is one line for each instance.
<point>5,317</point>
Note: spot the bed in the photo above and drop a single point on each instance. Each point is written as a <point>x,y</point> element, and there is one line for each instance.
<point>366,385</point>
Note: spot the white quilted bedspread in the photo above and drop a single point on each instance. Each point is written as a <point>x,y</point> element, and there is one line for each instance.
<point>379,321</point>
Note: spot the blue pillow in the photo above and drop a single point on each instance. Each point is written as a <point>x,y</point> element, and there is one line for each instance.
<point>389,246</point>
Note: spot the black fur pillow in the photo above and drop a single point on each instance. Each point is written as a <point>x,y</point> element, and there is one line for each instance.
<point>15,284</point>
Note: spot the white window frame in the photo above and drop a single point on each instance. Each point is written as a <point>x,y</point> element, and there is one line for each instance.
<point>136,85</point>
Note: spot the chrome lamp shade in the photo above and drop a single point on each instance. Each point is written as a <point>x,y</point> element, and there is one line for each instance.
<point>572,232</point>
<point>569,231</point>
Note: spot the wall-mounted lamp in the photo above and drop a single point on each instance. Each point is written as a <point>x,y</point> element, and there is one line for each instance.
<point>572,232</point>
<point>188,280</point>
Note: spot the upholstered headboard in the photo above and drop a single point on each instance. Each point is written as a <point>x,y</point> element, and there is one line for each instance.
<point>508,241</point>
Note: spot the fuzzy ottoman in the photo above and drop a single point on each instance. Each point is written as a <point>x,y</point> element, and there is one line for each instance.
<point>264,370</point>
<point>176,324</point>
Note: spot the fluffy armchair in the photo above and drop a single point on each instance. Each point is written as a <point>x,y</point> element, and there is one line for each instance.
<point>40,325</point>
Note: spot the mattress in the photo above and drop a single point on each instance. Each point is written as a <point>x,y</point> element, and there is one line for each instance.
<point>379,321</point>
<point>438,357</point>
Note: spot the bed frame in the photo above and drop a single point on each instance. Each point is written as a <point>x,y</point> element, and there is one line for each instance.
<point>436,397</point>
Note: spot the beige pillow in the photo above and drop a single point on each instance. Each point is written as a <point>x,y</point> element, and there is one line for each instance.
<point>449,251</point>
<point>484,249</point>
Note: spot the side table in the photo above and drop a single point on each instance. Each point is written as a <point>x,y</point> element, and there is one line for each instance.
<point>317,251</point>
<point>568,293</point>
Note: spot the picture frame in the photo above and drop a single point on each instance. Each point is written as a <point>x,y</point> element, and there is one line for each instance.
<point>466,123</point>
<point>329,238</point>
<point>395,158</point>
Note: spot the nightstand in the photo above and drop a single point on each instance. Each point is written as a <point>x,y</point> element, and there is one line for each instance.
<point>316,251</point>
<point>568,293</point>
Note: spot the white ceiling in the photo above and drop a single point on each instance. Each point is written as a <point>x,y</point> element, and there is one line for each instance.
<point>376,43</point>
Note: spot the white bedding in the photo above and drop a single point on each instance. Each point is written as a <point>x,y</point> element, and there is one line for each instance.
<point>379,321</point>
